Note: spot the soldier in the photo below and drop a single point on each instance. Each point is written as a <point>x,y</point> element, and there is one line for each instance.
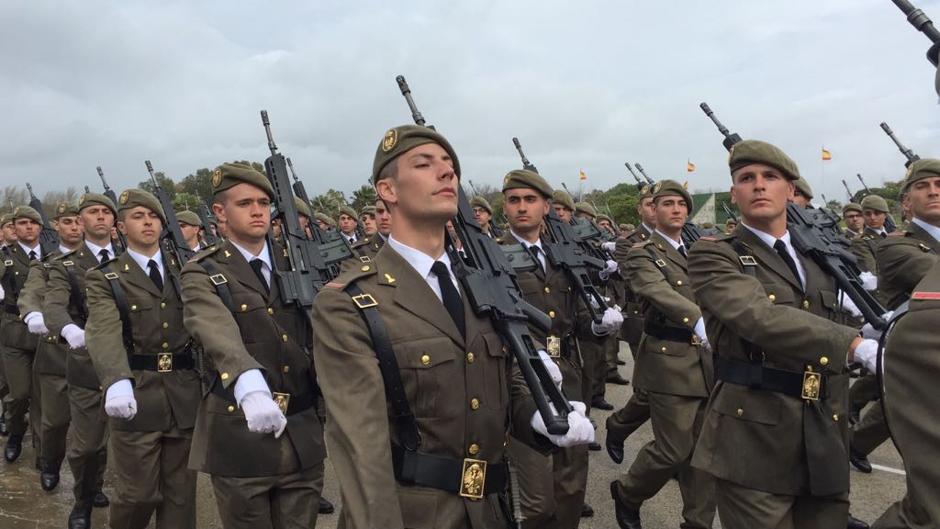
<point>49,362</point>
<point>442,365</point>
<point>304,216</point>
<point>190,225</point>
<point>483,213</point>
<point>383,219</point>
<point>775,434</point>
<point>324,221</point>
<point>7,237</point>
<point>553,488</point>
<point>583,210</point>
<point>367,218</point>
<point>854,222</point>
<point>673,366</point>
<point>7,229</point>
<point>19,345</point>
<point>802,193</point>
<point>66,314</point>
<point>262,396</point>
<point>143,355</point>
<point>730,225</point>
<point>348,225</point>
<point>875,211</point>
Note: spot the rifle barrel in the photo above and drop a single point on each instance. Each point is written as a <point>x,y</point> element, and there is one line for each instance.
<point>267,131</point>
<point>406,91</point>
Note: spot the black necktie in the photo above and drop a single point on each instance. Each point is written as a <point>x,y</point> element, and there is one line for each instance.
<point>534,250</point>
<point>256,265</point>
<point>884,235</point>
<point>450,296</point>
<point>155,274</point>
<point>781,248</point>
<point>103,255</point>
<point>682,251</point>
<point>32,255</point>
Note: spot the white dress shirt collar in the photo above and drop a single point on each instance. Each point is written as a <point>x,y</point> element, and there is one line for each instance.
<point>264,256</point>
<point>770,240</point>
<point>526,244</point>
<point>143,261</point>
<point>934,231</point>
<point>422,264</point>
<point>96,250</point>
<point>675,244</point>
<point>37,250</point>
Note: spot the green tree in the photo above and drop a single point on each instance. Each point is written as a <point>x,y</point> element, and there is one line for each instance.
<point>198,184</point>
<point>329,202</point>
<point>183,200</point>
<point>364,196</point>
<point>166,183</point>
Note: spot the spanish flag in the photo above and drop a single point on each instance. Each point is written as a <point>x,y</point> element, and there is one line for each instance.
<point>689,167</point>
<point>581,175</point>
<point>826,155</point>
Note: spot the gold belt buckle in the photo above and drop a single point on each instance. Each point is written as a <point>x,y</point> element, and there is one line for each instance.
<point>282,400</point>
<point>472,479</point>
<point>812,382</point>
<point>554,346</point>
<point>165,363</point>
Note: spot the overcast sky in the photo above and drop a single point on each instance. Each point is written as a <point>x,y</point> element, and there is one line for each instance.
<point>585,85</point>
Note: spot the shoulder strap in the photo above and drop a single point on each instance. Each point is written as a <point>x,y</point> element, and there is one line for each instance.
<point>748,263</point>
<point>76,298</point>
<point>120,299</point>
<point>404,419</point>
<point>220,283</point>
<point>657,260</point>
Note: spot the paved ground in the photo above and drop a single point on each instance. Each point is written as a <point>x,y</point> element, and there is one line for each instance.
<point>24,505</point>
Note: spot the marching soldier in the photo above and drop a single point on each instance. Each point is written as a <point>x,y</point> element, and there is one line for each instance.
<point>348,224</point>
<point>7,229</point>
<point>875,211</point>
<point>258,434</point>
<point>775,434</point>
<point>673,366</point>
<point>854,222</point>
<point>370,245</point>
<point>324,221</point>
<point>66,314</point>
<point>190,225</point>
<point>367,218</point>
<point>802,193</point>
<point>146,364</point>
<point>419,389</point>
<point>563,204</point>
<point>483,213</point>
<point>7,237</point>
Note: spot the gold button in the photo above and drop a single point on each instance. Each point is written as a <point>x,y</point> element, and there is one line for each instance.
<point>740,412</point>
<point>835,417</point>
<point>224,376</point>
<point>505,349</point>
<point>470,358</point>
<point>474,404</point>
<point>474,449</point>
<point>165,345</point>
<point>772,297</point>
<point>547,290</point>
<point>270,310</point>
<point>685,320</point>
<point>551,314</point>
<point>425,359</point>
<point>286,369</point>
<point>133,307</point>
<point>805,303</point>
<point>824,361</point>
<point>244,307</point>
<point>162,305</point>
<point>365,268</point>
<point>284,338</point>
<point>166,325</point>
<point>663,349</point>
<point>679,283</point>
<point>231,408</point>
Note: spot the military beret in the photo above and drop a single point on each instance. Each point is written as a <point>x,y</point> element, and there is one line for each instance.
<point>628,226</point>
<point>646,191</point>
<point>919,170</point>
<point>367,210</point>
<point>188,217</point>
<point>560,196</point>
<point>876,203</point>
<point>65,209</point>
<point>672,188</point>
<point>748,152</point>
<point>729,220</point>
<point>601,217</point>
<point>229,175</point>
<point>324,218</point>
<point>302,208</point>
<point>526,179</point>
<point>804,187</point>
<point>6,218</point>
<point>346,210</point>
<point>851,206</point>
<point>402,139</point>
<point>480,202</point>
<point>26,212</point>
<point>92,199</point>
<point>585,208</point>
<point>132,198</point>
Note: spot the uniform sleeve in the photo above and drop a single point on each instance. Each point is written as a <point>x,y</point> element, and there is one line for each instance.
<point>30,299</point>
<point>211,323</point>
<point>902,264</point>
<point>861,249</point>
<point>103,332</point>
<point>357,432</point>
<point>56,303</point>
<point>648,281</point>
<point>739,302</point>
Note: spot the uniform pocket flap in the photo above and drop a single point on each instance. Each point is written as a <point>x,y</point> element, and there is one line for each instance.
<point>748,405</point>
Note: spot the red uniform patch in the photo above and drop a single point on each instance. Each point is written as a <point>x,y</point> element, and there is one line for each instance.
<point>925,295</point>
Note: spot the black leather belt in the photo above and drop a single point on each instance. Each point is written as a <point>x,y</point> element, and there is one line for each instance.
<point>162,362</point>
<point>292,403</point>
<point>450,475</point>
<point>803,385</point>
<point>668,332</point>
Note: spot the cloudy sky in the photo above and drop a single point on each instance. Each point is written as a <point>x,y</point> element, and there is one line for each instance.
<point>585,85</point>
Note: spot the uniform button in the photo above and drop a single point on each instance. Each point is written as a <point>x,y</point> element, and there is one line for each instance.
<point>740,412</point>
<point>805,303</point>
<point>470,358</point>
<point>165,345</point>
<point>824,361</point>
<point>685,320</point>
<point>365,268</point>
<point>224,376</point>
<point>244,307</point>
<point>835,417</point>
<point>772,297</point>
<point>474,404</point>
<point>425,359</point>
<point>231,408</point>
<point>284,338</point>
<point>162,305</point>
<point>133,307</point>
<point>679,283</point>
<point>551,314</point>
<point>473,449</point>
<point>547,290</point>
<point>166,325</point>
<point>663,349</point>
<point>286,369</point>
<point>270,310</point>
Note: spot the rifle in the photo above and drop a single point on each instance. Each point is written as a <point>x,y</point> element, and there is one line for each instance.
<point>48,237</point>
<point>526,164</point>
<point>922,23</point>
<point>690,232</point>
<point>204,218</point>
<point>172,234</point>
<point>639,168</point>
<point>813,235</point>
<point>890,226</point>
<point>729,212</point>
<point>87,190</point>
<point>108,192</point>
<point>489,282</point>
<point>848,191</point>
<point>909,154</point>
<point>639,183</point>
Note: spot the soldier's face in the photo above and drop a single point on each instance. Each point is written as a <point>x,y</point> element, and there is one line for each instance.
<point>563,212</point>
<point>874,219</point>
<point>245,213</point>
<point>800,199</point>
<point>761,192</point>
<point>923,199</point>
<point>141,226</point>
<point>190,232</point>
<point>425,186</point>
<point>854,220</point>
<point>383,219</point>
<point>9,233</point>
<point>368,224</point>
<point>525,209</point>
<point>647,211</point>
<point>482,215</point>
<point>27,231</point>
<point>671,212</point>
<point>97,222</point>
<point>69,230</point>
<point>347,224</point>
<point>605,225</point>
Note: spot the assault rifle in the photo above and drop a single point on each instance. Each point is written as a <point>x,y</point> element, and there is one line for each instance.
<point>690,232</point>
<point>108,192</point>
<point>890,226</point>
<point>48,237</point>
<point>848,191</point>
<point>922,23</point>
<point>489,281</point>
<point>729,212</point>
<point>205,218</point>
<point>908,153</point>
<point>172,234</point>
<point>814,238</point>
<point>639,183</point>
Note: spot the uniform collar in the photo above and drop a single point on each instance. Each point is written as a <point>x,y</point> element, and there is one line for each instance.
<point>934,231</point>
<point>26,249</point>
<point>526,244</point>
<point>265,255</point>
<point>675,244</point>
<point>143,261</point>
<point>96,250</point>
<point>418,260</point>
<point>767,238</point>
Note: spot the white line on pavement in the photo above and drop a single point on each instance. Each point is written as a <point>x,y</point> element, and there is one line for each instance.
<point>889,469</point>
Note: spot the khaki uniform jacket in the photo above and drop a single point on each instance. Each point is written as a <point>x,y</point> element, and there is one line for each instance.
<point>658,274</point>
<point>633,313</point>
<point>65,304</point>
<point>15,272</point>
<point>760,439</point>
<point>264,333</point>
<point>164,400</point>
<point>864,247</point>
<point>464,393</point>
<point>903,261</point>
<point>368,246</point>
<point>52,350</point>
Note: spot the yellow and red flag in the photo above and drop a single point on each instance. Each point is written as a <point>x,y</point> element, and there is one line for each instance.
<point>581,175</point>
<point>689,166</point>
<point>826,155</point>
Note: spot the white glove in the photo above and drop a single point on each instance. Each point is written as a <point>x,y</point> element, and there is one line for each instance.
<point>611,321</point>
<point>872,333</point>
<point>869,280</point>
<point>36,323</point>
<point>610,267</point>
<point>74,335</point>
<point>552,368</point>
<point>610,246</point>
<point>580,429</point>
<point>262,413</point>
<point>700,332</point>
<point>119,401</point>
<point>3,293</point>
<point>848,305</point>
<point>866,354</point>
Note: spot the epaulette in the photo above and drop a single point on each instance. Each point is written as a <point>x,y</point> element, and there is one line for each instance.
<point>351,275</point>
<point>361,242</point>
<point>205,252</point>
<point>923,247</point>
<point>65,255</point>
<point>642,244</point>
<point>499,240</point>
<point>717,237</point>
<point>101,266</point>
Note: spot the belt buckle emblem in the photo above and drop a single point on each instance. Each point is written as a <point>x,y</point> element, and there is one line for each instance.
<point>812,382</point>
<point>472,479</point>
<point>164,362</point>
<point>554,346</point>
<point>282,400</point>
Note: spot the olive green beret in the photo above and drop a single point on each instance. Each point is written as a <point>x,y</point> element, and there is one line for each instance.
<point>346,210</point>
<point>585,208</point>
<point>729,220</point>
<point>876,203</point>
<point>526,179</point>
<point>646,191</point>
<point>560,196</point>
<point>26,212</point>
<point>132,198</point>
<point>756,151</point>
<point>923,168</point>
<point>302,208</point>
<point>628,226</point>
<point>324,218</point>
<point>851,206</point>
<point>367,210</point>
<point>65,209</point>
<point>402,139</point>
<point>601,217</point>
<point>672,188</point>
<point>6,219</point>
<point>804,187</point>
<point>231,174</point>
<point>480,202</point>
<point>96,199</point>
<point>188,217</point>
